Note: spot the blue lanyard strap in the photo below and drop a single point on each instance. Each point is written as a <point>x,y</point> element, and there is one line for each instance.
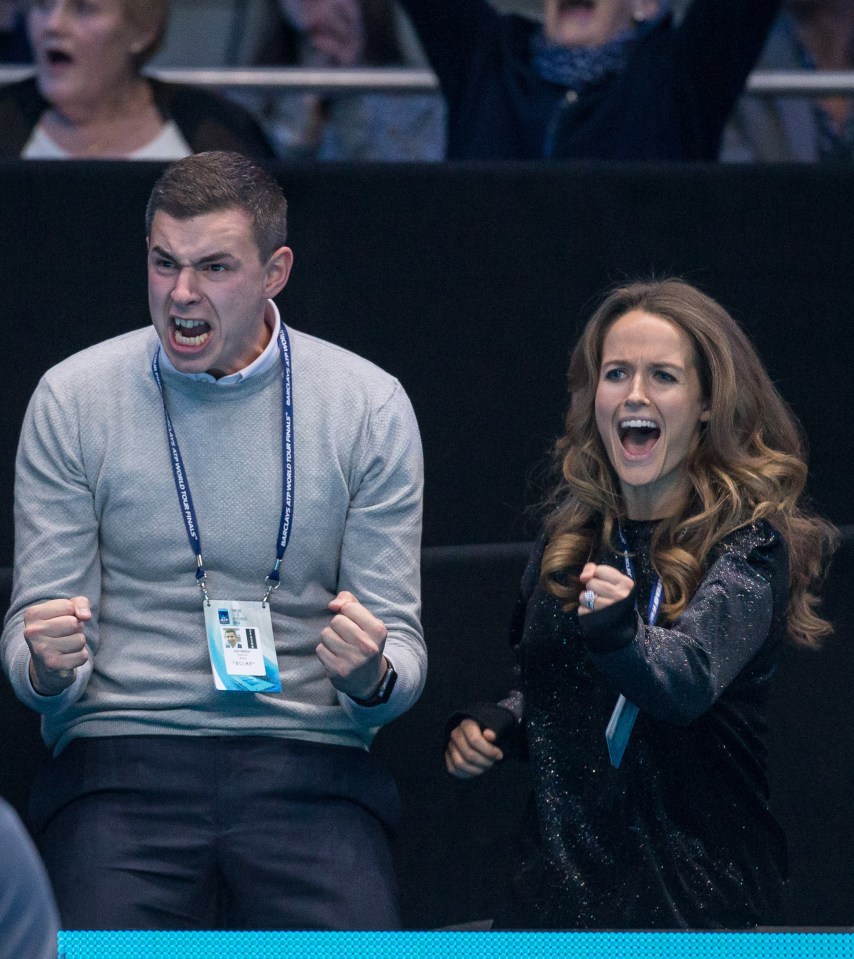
<point>658,590</point>
<point>273,579</point>
<point>182,484</point>
<point>619,728</point>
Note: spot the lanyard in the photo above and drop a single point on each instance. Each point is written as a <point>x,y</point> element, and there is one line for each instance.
<point>658,590</point>
<point>182,485</point>
<point>625,713</point>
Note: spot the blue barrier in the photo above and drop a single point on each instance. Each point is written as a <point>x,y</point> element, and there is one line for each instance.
<point>456,945</point>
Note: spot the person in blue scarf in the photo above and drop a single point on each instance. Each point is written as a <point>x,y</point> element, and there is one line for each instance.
<point>596,80</point>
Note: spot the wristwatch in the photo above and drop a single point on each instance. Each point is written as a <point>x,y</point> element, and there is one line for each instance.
<point>382,692</point>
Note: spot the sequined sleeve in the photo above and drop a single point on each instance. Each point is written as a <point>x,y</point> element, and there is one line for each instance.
<point>677,672</point>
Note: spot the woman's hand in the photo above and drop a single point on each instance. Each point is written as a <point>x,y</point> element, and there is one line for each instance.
<point>471,752</point>
<point>608,585</point>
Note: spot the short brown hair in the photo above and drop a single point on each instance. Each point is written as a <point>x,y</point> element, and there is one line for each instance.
<point>148,15</point>
<point>219,180</point>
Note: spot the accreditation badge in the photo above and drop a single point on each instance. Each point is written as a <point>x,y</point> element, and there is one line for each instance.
<point>241,646</point>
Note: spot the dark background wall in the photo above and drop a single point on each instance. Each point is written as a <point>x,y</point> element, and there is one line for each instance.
<point>470,283</point>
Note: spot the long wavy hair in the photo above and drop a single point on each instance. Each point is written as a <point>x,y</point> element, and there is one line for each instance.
<point>748,463</point>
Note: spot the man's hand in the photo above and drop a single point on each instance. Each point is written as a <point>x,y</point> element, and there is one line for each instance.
<point>54,633</point>
<point>471,752</point>
<point>351,648</point>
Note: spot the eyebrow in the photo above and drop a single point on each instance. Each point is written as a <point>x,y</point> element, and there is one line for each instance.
<point>625,362</point>
<point>208,258</point>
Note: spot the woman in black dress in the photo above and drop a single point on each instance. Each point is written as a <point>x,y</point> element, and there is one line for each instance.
<point>676,557</point>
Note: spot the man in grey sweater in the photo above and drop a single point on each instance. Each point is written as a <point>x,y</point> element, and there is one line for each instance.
<point>195,784</point>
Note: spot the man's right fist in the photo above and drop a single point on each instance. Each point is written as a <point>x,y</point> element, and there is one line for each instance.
<point>54,633</point>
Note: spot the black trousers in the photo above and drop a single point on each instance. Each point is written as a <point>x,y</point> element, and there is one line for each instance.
<point>204,832</point>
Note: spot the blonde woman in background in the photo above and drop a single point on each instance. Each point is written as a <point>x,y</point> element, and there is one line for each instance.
<point>89,98</point>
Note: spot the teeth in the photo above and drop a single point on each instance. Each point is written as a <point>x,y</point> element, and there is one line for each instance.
<point>191,340</point>
<point>185,339</point>
<point>638,425</point>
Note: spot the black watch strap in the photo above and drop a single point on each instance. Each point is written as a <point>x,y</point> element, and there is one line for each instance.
<point>382,692</point>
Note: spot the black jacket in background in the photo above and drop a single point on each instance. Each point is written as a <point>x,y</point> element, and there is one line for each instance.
<point>206,121</point>
<point>670,103</point>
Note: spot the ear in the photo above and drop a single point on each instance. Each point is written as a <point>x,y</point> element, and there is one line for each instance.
<point>643,10</point>
<point>278,270</point>
<point>142,38</point>
<point>705,412</point>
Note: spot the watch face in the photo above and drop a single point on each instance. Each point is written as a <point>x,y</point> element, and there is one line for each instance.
<point>387,684</point>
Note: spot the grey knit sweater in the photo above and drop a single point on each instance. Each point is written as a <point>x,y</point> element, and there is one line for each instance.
<point>97,514</point>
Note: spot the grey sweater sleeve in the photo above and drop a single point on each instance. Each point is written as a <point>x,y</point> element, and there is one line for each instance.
<point>380,556</point>
<point>56,539</point>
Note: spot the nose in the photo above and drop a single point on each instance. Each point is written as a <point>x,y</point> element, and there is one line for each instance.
<point>637,395</point>
<point>185,291</point>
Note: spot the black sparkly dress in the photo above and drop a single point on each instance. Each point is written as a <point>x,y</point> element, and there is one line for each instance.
<point>680,835</point>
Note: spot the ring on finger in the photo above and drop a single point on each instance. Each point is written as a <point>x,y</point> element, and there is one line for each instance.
<point>588,597</point>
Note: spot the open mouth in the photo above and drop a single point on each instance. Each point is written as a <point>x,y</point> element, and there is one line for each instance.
<point>567,5</point>
<point>57,58</point>
<point>190,333</point>
<point>638,436</point>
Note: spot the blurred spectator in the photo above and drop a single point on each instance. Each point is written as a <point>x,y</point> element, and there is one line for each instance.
<point>29,921</point>
<point>371,126</point>
<point>599,79</point>
<point>811,35</point>
<point>14,46</point>
<point>89,98</point>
